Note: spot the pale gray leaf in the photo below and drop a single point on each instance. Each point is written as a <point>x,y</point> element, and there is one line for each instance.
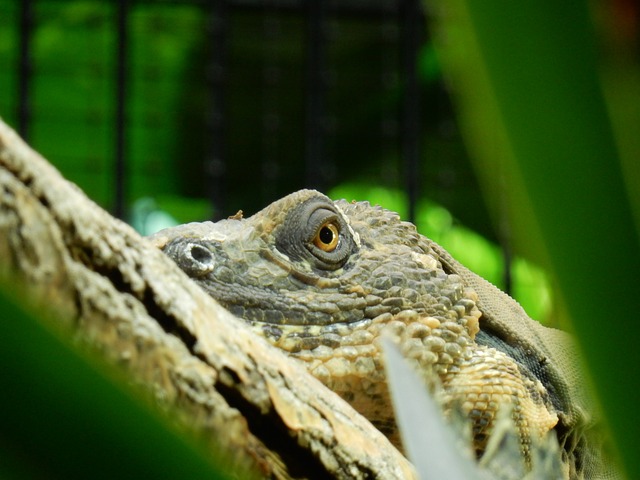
<point>429,441</point>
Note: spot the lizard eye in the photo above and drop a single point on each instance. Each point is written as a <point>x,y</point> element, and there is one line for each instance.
<point>328,237</point>
<point>316,232</point>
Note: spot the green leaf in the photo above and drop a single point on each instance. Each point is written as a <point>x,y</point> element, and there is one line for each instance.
<point>62,417</point>
<point>528,84</point>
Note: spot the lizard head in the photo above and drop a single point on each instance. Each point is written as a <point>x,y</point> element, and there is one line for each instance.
<point>324,280</point>
<point>308,261</point>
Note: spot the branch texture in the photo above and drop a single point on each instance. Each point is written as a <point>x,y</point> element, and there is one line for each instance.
<point>121,295</point>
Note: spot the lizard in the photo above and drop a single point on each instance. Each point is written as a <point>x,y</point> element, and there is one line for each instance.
<point>325,281</point>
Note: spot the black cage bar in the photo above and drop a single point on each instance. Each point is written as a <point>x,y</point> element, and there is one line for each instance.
<point>122,47</point>
<point>24,67</point>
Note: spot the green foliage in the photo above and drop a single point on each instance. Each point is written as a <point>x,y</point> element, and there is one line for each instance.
<point>148,215</point>
<point>528,84</point>
<point>168,128</point>
<point>73,90</point>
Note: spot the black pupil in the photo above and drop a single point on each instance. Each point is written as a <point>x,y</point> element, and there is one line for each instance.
<point>326,235</point>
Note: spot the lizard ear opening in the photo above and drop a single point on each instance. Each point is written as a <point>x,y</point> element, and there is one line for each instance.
<point>317,232</point>
<point>195,259</point>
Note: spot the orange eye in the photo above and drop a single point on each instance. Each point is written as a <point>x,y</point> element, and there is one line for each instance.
<point>327,237</point>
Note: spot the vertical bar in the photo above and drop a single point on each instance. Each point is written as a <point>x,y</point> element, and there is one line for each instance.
<point>315,95</point>
<point>411,36</point>
<point>215,163</point>
<point>25,69</point>
<point>122,45</point>
<point>507,274</point>
<point>271,122</point>
<point>389,77</point>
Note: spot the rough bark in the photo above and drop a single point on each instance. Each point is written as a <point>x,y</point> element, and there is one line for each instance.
<point>119,294</point>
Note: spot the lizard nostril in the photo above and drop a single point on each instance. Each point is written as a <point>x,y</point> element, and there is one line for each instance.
<point>202,261</point>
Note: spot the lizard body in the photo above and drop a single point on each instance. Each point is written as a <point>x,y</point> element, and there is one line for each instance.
<point>325,280</point>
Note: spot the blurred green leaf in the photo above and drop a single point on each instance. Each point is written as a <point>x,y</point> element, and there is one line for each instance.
<point>64,418</point>
<point>527,79</point>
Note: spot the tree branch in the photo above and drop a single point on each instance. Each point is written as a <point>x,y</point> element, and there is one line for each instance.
<point>121,295</point>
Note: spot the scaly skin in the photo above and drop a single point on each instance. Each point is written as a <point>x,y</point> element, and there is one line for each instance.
<point>325,281</point>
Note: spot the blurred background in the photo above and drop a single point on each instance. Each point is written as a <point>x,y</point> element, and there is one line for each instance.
<point>169,112</point>
<point>507,132</point>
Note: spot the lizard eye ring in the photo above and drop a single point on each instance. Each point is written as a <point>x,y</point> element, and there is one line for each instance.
<point>327,237</point>
<point>327,240</point>
<point>317,233</point>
